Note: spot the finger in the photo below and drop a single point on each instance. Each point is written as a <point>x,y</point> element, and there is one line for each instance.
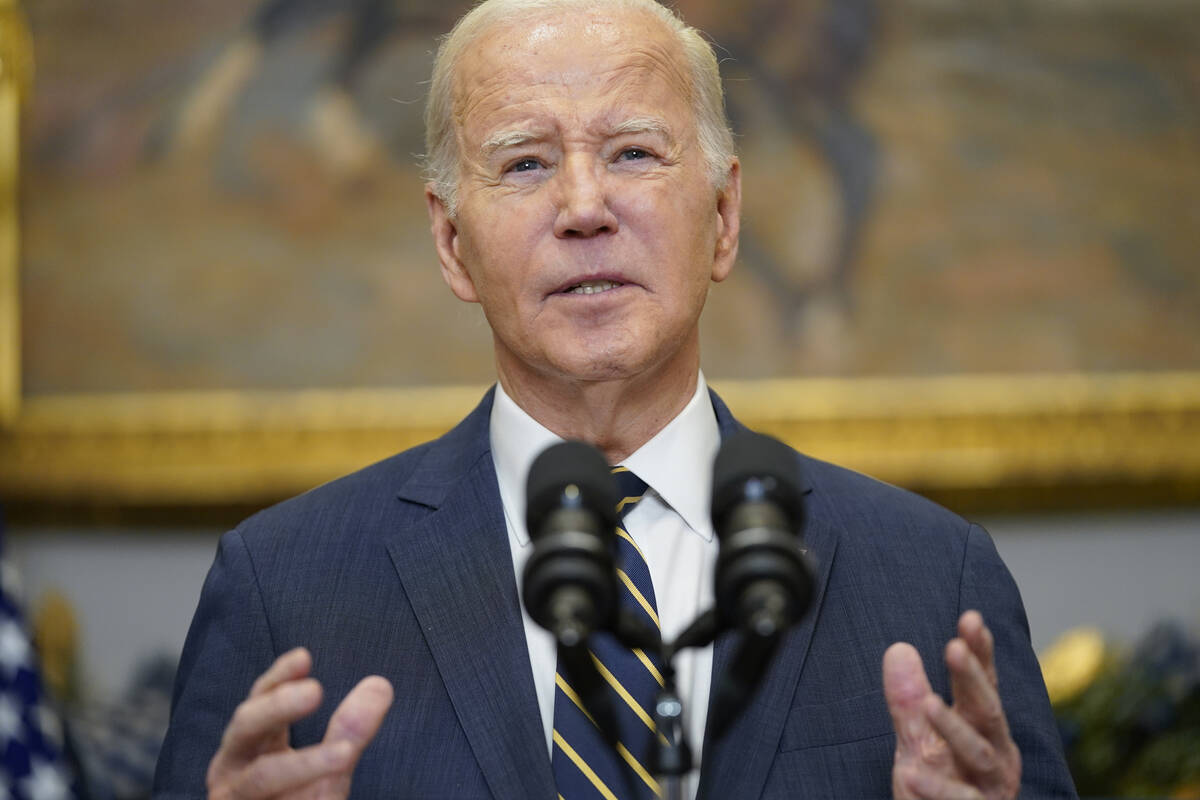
<point>974,754</point>
<point>975,697</point>
<point>979,638</point>
<point>905,686</point>
<point>293,664</point>
<point>911,781</point>
<point>262,720</point>
<point>359,716</point>
<point>293,770</point>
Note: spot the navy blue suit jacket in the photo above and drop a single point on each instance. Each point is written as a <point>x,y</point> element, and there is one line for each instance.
<point>403,569</point>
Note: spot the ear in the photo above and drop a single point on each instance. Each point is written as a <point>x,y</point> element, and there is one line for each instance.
<point>729,220</point>
<point>445,239</point>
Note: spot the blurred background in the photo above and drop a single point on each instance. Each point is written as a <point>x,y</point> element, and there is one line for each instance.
<point>968,267</point>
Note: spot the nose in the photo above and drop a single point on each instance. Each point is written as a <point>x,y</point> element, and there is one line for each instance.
<point>583,208</point>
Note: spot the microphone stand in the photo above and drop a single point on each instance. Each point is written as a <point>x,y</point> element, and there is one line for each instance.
<point>673,757</point>
<point>593,691</point>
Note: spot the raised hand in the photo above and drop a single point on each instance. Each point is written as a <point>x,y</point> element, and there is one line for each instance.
<point>255,759</point>
<point>964,751</point>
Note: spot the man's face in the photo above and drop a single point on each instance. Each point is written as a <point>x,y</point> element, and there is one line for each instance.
<point>587,225</point>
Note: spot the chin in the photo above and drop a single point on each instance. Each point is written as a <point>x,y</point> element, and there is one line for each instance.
<point>592,365</point>
<point>610,366</point>
<point>592,372</point>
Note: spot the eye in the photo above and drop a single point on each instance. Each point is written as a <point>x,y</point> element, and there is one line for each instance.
<point>525,165</point>
<point>633,154</point>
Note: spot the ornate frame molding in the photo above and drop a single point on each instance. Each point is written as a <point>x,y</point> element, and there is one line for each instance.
<point>991,441</point>
<point>16,78</point>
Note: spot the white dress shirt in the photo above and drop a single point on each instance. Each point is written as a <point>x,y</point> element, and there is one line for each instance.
<point>671,527</point>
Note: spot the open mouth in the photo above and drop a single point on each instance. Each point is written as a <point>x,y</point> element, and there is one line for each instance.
<point>592,287</point>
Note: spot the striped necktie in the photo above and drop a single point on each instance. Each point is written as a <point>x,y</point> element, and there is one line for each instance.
<point>585,765</point>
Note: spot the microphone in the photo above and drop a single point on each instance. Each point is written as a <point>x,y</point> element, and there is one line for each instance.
<point>763,583</point>
<point>569,582</point>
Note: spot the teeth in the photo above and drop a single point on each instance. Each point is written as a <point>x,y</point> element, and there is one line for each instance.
<point>592,287</point>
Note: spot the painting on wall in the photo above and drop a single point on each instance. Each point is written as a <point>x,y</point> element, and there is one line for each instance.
<point>967,260</point>
<point>228,195</point>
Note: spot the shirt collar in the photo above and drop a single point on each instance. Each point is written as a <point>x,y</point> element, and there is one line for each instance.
<point>676,463</point>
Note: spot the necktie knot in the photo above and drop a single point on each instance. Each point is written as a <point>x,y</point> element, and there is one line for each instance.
<point>630,489</point>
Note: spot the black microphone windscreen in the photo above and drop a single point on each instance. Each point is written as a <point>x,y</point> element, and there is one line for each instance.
<point>746,456</point>
<point>569,464</point>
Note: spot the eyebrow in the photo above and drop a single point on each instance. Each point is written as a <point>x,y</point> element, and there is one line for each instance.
<point>503,139</point>
<point>516,138</point>
<point>644,125</point>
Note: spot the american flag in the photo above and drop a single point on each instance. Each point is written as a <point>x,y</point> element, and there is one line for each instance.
<point>32,766</point>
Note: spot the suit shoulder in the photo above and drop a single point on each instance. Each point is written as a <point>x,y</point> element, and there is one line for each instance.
<point>889,543</point>
<point>861,502</point>
<point>362,499</point>
<point>345,497</point>
<point>391,472</point>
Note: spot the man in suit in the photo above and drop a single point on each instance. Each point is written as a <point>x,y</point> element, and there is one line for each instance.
<point>585,193</point>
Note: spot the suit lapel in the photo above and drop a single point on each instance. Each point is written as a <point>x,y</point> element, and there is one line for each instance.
<point>459,553</point>
<point>737,765</point>
<point>457,572</point>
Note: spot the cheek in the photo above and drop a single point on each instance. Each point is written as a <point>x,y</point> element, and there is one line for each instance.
<point>689,210</point>
<point>497,272</point>
<point>478,246</point>
<point>656,202</point>
<point>510,225</point>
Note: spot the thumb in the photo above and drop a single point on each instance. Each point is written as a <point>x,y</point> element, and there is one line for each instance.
<point>905,687</point>
<point>356,721</point>
<point>360,714</point>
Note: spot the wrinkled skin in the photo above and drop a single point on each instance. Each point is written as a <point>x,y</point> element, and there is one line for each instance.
<point>958,752</point>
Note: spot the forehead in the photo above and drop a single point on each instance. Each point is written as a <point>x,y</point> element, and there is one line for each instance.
<point>615,63</point>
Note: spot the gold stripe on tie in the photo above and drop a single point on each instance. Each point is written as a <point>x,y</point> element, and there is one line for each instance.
<point>637,595</point>
<point>622,533</point>
<point>627,500</point>
<point>583,767</point>
<point>561,682</point>
<point>623,692</point>
<point>639,769</point>
<point>653,670</point>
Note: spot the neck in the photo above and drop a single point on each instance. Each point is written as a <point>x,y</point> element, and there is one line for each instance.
<point>617,416</point>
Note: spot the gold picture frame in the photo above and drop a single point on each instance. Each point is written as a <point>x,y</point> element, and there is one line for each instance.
<point>973,441</point>
<point>15,82</point>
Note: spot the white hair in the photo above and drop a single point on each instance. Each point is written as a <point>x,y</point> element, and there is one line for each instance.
<point>441,159</point>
